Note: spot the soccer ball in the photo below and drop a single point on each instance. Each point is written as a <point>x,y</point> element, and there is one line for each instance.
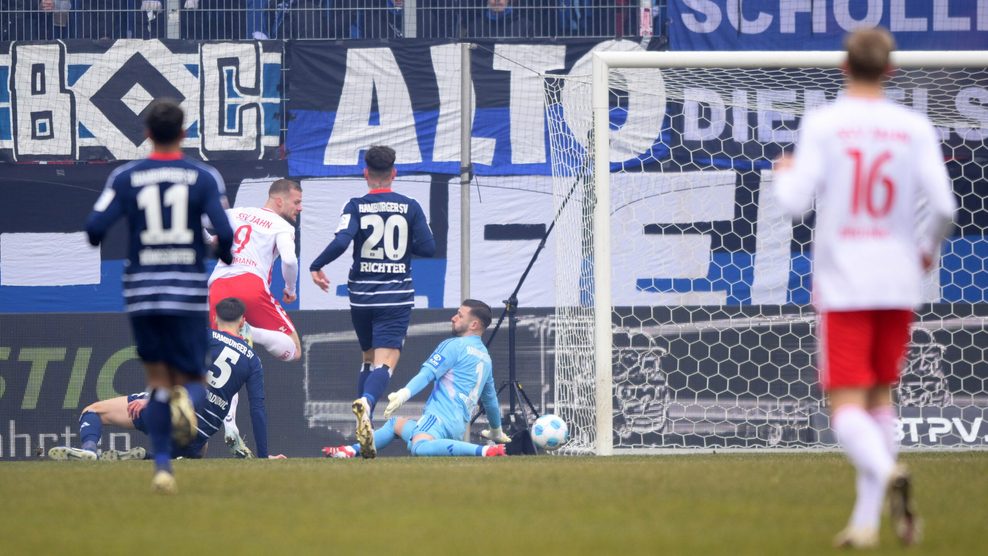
<point>549,432</point>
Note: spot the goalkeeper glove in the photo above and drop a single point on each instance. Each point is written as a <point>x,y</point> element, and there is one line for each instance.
<point>497,435</point>
<point>395,399</point>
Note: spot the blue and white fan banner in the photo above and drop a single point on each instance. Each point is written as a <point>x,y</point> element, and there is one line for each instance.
<point>84,100</point>
<point>732,25</point>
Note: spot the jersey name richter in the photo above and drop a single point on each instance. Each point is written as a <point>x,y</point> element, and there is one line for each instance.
<point>385,225</point>
<point>385,215</point>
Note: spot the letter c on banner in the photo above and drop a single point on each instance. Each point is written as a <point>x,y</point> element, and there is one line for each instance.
<point>230,116</point>
<point>44,118</point>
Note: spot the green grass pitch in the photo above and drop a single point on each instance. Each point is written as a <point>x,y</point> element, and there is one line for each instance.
<point>769,504</point>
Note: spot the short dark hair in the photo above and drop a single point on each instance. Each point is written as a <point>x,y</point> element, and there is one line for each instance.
<point>230,309</point>
<point>380,160</point>
<point>282,186</point>
<point>164,121</point>
<point>868,52</point>
<point>480,311</point>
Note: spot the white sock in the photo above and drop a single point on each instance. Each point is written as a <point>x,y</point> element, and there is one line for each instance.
<point>884,417</point>
<point>863,515</point>
<point>230,421</point>
<point>865,446</point>
<point>277,343</point>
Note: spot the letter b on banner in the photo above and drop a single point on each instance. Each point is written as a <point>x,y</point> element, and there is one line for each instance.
<point>44,118</point>
<point>231,119</point>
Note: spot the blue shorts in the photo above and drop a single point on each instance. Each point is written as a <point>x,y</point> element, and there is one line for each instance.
<point>178,341</point>
<point>439,428</point>
<point>139,422</point>
<point>380,327</point>
<point>192,451</point>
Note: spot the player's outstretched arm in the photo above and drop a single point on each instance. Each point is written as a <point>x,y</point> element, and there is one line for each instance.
<point>106,211</point>
<point>395,400</point>
<point>332,251</point>
<point>423,242</point>
<point>258,414</point>
<point>797,177</point>
<point>208,234</point>
<point>289,263</point>
<point>488,399</point>
<point>319,278</point>
<point>345,232</point>
<point>417,384</point>
<point>438,364</point>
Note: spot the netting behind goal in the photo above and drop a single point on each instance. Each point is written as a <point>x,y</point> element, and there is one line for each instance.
<point>711,333</point>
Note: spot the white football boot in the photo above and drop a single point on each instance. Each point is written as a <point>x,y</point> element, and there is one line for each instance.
<point>857,538</point>
<point>164,483</point>
<point>64,453</point>
<point>123,455</point>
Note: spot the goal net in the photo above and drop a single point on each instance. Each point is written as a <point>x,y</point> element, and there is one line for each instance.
<point>683,316</point>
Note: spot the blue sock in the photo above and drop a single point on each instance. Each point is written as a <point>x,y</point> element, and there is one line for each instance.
<point>408,432</point>
<point>158,420</point>
<point>384,435</point>
<point>365,371</point>
<point>197,393</point>
<point>375,386</point>
<point>446,448</point>
<point>90,430</point>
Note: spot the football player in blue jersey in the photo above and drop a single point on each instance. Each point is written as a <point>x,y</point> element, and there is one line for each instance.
<point>461,368</point>
<point>234,364</point>
<point>386,229</point>
<point>165,199</point>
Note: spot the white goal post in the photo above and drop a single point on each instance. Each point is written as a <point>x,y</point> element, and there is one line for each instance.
<point>653,336</point>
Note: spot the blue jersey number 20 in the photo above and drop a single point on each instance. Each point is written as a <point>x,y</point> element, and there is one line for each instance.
<point>393,232</point>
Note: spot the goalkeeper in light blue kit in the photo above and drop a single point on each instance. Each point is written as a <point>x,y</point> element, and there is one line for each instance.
<point>461,368</point>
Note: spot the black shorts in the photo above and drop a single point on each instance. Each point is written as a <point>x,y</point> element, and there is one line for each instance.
<point>380,327</point>
<point>179,341</point>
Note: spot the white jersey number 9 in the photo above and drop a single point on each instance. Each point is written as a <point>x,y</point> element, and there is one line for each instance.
<point>393,232</point>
